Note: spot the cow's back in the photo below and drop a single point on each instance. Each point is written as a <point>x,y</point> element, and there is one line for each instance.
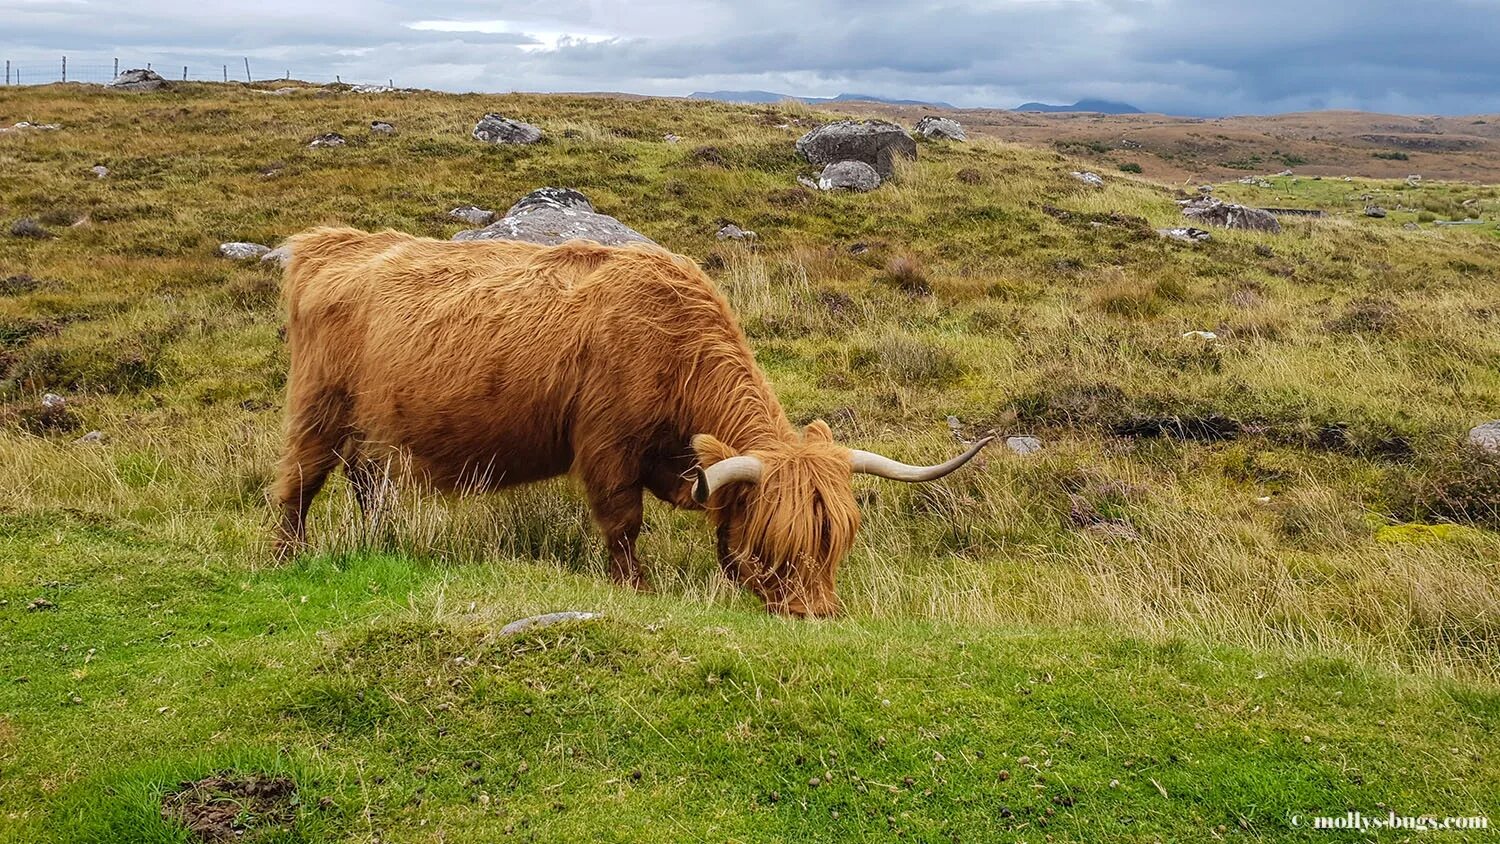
<point>477,361</point>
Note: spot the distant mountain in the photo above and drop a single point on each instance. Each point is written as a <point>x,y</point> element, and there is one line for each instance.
<point>773,97</point>
<point>1100,106</point>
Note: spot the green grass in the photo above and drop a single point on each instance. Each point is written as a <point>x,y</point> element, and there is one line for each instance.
<point>1309,624</point>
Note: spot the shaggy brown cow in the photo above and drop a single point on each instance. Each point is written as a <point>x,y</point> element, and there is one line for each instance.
<point>491,363</point>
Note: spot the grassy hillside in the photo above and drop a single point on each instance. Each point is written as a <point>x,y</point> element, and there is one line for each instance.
<point>1307,622</point>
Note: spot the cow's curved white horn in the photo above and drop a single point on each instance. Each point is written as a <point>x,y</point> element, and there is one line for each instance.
<point>742,469</point>
<point>870,463</point>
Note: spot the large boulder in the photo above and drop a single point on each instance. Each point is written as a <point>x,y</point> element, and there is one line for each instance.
<point>941,129</point>
<point>239,250</point>
<point>849,175</point>
<point>875,142</point>
<point>1227,215</point>
<point>550,197</point>
<point>138,79</point>
<point>556,215</point>
<point>498,129</point>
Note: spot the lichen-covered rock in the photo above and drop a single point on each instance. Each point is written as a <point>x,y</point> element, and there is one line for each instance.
<point>1374,211</point>
<point>138,79</point>
<point>1023,445</point>
<point>550,197</point>
<point>875,142</point>
<point>1186,234</point>
<point>849,175</point>
<point>730,231</point>
<point>556,215</point>
<point>1230,216</point>
<point>498,129</point>
<point>242,251</point>
<point>941,128</point>
<point>99,171</point>
<point>328,139</point>
<point>1093,180</point>
<point>27,227</point>
<point>280,256</point>
<point>381,127</point>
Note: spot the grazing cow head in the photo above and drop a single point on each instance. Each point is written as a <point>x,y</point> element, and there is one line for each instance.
<point>787,516</point>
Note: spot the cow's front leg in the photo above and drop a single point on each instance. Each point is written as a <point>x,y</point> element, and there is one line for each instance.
<point>617,512</point>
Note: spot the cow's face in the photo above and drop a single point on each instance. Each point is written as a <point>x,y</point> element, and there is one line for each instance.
<point>784,535</point>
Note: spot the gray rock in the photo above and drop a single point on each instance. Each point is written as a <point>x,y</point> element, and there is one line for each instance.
<point>1411,227</point>
<point>1230,216</point>
<point>1205,188</point>
<point>875,142</point>
<point>941,128</point>
<point>1374,211</point>
<point>381,127</point>
<point>242,251</point>
<point>328,139</point>
<point>498,129</point>
<point>729,231</point>
<point>473,215</point>
<point>53,403</point>
<point>1023,445</point>
<point>537,622</point>
<point>281,256</point>
<point>670,138</point>
<point>550,197</point>
<point>138,79</point>
<point>849,175</point>
<point>370,89</point>
<point>99,171</point>
<point>1089,178</point>
<point>91,438</point>
<point>556,215</point>
<point>807,183</point>
<point>1186,234</point>
<point>1486,435</point>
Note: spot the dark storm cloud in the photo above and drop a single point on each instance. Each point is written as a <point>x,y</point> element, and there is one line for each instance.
<point>1176,55</point>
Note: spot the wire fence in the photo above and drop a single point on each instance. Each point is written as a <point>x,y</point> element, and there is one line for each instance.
<point>63,69</point>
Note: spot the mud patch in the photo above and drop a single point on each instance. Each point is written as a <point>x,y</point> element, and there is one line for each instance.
<point>233,807</point>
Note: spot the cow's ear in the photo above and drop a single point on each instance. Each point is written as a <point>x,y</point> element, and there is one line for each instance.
<point>817,432</point>
<point>710,450</point>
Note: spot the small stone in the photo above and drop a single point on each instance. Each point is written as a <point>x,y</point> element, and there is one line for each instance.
<point>1486,436</point>
<point>242,251</point>
<point>1003,776</point>
<point>281,255</point>
<point>99,171</point>
<point>730,231</point>
<point>1089,178</point>
<point>498,129</point>
<point>1114,783</point>
<point>547,620</point>
<point>670,138</point>
<point>940,128</point>
<point>1374,211</point>
<point>327,139</point>
<point>1206,336</point>
<point>91,438</point>
<point>53,403</point>
<point>473,215</point>
<point>849,175</point>
<point>814,782</point>
<point>138,79</point>
<point>1023,445</point>
<point>381,127</point>
<point>40,605</point>
<point>1185,234</point>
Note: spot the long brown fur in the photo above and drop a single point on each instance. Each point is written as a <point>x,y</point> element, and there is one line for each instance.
<point>490,363</point>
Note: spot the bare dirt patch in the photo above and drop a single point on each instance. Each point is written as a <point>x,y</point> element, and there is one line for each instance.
<point>233,807</point>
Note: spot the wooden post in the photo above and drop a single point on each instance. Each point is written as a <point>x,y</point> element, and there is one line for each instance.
<point>226,73</point>
<point>65,68</point>
<point>184,73</point>
<point>338,79</point>
<point>390,83</point>
<point>117,65</point>
<point>7,71</point>
<point>247,68</point>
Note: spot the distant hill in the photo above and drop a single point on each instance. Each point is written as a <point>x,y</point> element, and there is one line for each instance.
<point>1101,106</point>
<point>773,97</point>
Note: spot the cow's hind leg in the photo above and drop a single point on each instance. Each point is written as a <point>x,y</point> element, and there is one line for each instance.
<point>311,454</point>
<point>370,480</point>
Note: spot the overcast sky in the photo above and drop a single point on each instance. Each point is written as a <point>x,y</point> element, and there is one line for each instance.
<point>1179,56</point>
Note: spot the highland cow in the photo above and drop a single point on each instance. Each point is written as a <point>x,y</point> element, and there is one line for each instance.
<point>492,363</point>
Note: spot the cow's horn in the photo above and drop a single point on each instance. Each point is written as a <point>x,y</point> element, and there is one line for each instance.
<point>870,463</point>
<point>742,469</point>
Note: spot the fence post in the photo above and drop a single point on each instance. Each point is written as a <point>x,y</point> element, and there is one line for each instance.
<point>65,69</point>
<point>184,73</point>
<point>247,68</point>
<point>226,74</point>
<point>117,65</point>
<point>7,71</point>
